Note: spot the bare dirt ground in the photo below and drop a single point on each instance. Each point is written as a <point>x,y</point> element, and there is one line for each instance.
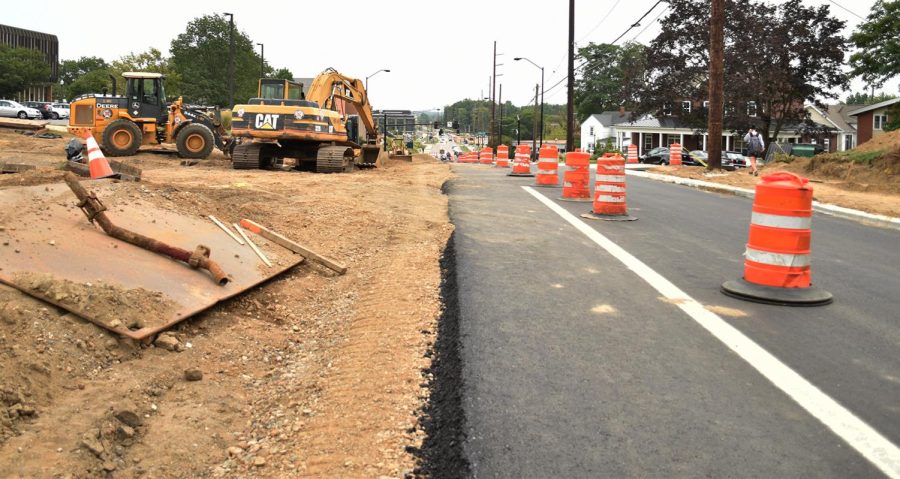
<point>872,185</point>
<point>309,375</point>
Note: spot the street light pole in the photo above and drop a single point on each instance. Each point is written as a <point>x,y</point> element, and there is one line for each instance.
<point>542,94</point>
<point>230,60</point>
<point>262,60</point>
<point>370,76</point>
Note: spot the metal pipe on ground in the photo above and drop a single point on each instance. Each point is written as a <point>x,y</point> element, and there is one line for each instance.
<point>94,210</point>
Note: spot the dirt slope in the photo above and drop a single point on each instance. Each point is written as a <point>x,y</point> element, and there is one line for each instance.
<point>309,375</point>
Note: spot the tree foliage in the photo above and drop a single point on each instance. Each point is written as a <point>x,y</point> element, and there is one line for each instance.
<point>282,74</point>
<point>776,57</point>
<point>863,98</point>
<point>877,40</point>
<point>82,75</point>
<point>200,56</point>
<point>610,78</point>
<point>21,68</point>
<point>150,61</point>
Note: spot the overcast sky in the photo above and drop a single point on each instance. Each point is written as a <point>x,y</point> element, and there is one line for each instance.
<point>438,52</point>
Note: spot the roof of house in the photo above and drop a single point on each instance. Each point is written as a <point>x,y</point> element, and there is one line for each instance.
<point>653,122</point>
<point>609,118</point>
<point>840,114</point>
<point>875,106</point>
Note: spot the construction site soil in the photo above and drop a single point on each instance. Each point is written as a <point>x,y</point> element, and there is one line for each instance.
<point>311,374</point>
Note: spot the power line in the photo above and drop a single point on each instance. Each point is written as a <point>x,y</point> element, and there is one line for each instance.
<point>650,24</point>
<point>846,9</point>
<point>601,21</point>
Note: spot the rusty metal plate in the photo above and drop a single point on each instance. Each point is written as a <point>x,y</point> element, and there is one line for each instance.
<point>51,252</point>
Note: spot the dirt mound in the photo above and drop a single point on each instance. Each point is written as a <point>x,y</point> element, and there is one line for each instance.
<point>885,142</point>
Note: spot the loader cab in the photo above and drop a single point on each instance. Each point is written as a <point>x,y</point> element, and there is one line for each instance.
<point>146,95</point>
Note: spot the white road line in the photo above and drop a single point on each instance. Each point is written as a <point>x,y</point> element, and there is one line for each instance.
<point>859,435</point>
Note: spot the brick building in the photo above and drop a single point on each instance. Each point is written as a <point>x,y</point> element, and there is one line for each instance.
<point>872,119</point>
<point>44,42</point>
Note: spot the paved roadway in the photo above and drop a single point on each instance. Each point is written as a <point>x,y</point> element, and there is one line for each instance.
<point>574,366</point>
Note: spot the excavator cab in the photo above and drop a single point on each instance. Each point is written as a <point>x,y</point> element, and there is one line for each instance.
<point>274,89</point>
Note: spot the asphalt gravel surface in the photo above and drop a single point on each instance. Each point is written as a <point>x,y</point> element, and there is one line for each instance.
<point>574,366</point>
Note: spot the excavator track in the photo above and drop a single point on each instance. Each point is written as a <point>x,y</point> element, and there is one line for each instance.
<point>334,159</point>
<point>246,156</point>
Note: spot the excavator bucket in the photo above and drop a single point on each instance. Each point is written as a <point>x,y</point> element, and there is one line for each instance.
<point>368,156</point>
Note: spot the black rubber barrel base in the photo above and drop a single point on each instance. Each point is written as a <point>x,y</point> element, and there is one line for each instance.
<point>594,216</point>
<point>520,174</point>
<point>811,296</point>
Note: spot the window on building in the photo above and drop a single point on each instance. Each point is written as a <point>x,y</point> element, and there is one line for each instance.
<point>667,110</point>
<point>848,142</point>
<point>751,108</point>
<point>706,104</point>
<point>880,121</point>
<point>686,106</point>
<point>671,139</point>
<point>738,144</point>
<point>648,142</point>
<point>729,109</point>
<point>591,131</point>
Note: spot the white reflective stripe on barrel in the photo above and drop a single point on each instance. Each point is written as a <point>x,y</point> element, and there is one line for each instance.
<point>611,199</point>
<point>611,188</point>
<point>779,221</point>
<point>777,259</point>
<point>611,178</point>
<point>611,167</point>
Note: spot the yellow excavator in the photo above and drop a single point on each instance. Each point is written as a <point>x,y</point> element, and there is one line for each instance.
<point>318,128</point>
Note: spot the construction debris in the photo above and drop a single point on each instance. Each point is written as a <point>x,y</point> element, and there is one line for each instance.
<point>14,167</point>
<point>26,124</point>
<point>225,229</point>
<point>293,246</point>
<point>95,211</point>
<point>252,245</point>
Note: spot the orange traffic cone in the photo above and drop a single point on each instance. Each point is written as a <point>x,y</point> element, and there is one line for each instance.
<point>548,166</point>
<point>97,163</point>
<point>609,190</point>
<point>577,178</point>
<point>521,162</point>
<point>675,154</point>
<point>502,157</point>
<point>776,261</point>
<point>632,154</point>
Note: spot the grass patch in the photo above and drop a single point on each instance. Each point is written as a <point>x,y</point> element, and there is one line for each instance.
<point>864,157</point>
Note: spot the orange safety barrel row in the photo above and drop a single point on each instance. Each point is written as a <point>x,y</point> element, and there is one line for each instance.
<point>609,186</point>
<point>576,180</point>
<point>675,154</point>
<point>632,153</point>
<point>486,157</point>
<point>548,166</point>
<point>502,157</point>
<point>778,248</point>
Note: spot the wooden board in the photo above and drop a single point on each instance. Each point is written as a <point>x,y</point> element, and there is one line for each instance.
<point>23,124</point>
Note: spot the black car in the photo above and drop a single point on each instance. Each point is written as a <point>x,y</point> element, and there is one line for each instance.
<point>660,156</point>
<point>45,108</point>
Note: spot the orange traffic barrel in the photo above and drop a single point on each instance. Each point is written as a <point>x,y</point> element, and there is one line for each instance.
<point>486,157</point>
<point>97,163</point>
<point>547,167</point>
<point>632,153</point>
<point>502,157</point>
<point>609,190</point>
<point>576,179</point>
<point>777,258</point>
<point>675,154</point>
<point>521,162</point>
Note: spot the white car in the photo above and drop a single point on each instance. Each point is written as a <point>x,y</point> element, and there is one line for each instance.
<point>61,110</point>
<point>15,109</point>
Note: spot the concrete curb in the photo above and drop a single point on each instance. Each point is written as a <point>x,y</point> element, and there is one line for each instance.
<point>824,208</point>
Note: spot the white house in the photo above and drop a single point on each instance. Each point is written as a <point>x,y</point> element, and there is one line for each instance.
<point>600,127</point>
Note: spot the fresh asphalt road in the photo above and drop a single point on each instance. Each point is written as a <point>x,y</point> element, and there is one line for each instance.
<point>574,366</point>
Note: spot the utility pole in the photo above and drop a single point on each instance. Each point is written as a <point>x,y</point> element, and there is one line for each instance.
<point>494,97</point>
<point>500,141</point>
<point>570,107</point>
<point>262,60</point>
<point>716,83</point>
<point>230,60</point>
<point>518,129</point>
<point>535,126</point>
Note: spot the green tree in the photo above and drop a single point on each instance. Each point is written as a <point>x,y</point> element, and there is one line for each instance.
<point>866,99</point>
<point>282,74</point>
<point>776,58</point>
<point>21,68</point>
<point>200,56</point>
<point>94,81</point>
<point>150,61</point>
<point>610,78</point>
<point>877,40</point>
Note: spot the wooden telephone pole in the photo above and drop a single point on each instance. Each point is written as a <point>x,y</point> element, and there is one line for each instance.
<point>716,83</point>
<point>570,107</point>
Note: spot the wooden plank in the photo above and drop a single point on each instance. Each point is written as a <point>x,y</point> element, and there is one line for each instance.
<point>23,124</point>
<point>252,244</point>
<point>225,229</point>
<point>15,167</point>
<point>293,246</point>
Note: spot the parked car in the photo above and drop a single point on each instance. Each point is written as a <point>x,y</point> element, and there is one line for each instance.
<point>15,109</point>
<point>44,107</point>
<point>61,110</point>
<point>660,156</point>
<point>737,159</point>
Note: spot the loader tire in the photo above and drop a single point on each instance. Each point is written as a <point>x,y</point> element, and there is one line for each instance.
<point>121,138</point>
<point>194,141</point>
